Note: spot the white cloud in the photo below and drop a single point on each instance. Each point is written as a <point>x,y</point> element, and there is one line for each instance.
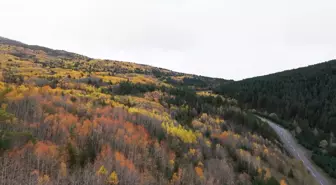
<point>223,38</point>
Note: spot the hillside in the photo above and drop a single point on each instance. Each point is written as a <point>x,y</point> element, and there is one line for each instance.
<point>305,98</point>
<point>70,119</point>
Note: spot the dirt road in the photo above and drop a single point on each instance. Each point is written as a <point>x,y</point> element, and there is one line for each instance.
<point>298,152</point>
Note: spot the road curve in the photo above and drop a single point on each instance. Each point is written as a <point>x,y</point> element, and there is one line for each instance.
<point>296,150</point>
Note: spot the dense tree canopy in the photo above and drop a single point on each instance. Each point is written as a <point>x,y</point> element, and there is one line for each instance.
<point>305,98</point>
<point>70,119</point>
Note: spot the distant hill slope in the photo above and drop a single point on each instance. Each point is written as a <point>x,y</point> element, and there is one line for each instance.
<point>306,97</point>
<point>35,53</point>
<point>51,52</point>
<point>4,40</point>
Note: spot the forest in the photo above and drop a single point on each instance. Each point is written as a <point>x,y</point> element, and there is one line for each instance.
<point>303,100</point>
<point>70,119</point>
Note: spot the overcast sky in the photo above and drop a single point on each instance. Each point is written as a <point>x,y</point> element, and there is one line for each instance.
<point>231,39</point>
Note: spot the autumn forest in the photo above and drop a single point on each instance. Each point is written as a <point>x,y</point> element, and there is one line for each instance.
<point>70,119</point>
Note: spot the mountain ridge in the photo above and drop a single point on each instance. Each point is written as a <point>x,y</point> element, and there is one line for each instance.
<point>4,40</point>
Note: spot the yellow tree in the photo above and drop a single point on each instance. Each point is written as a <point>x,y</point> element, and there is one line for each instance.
<point>102,170</point>
<point>113,178</point>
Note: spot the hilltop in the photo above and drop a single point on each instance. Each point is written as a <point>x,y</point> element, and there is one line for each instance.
<point>70,119</point>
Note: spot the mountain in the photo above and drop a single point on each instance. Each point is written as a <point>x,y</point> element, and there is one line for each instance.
<point>69,119</point>
<point>305,98</point>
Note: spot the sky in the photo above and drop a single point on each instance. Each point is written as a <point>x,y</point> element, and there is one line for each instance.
<point>231,39</point>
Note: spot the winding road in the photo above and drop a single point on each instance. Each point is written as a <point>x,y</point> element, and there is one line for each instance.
<point>298,152</point>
